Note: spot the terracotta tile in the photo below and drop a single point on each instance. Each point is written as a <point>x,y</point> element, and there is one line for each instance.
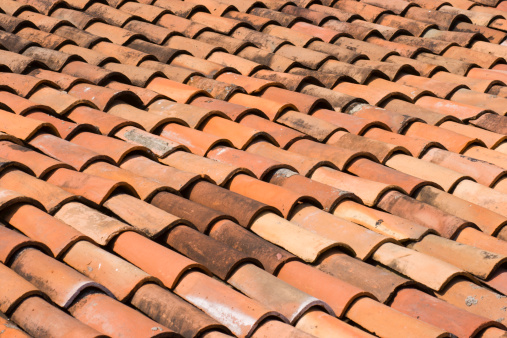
<point>16,44</point>
<point>190,66</point>
<point>67,130</point>
<point>238,313</point>
<point>13,62</point>
<point>373,316</point>
<point>230,44</point>
<point>452,141</point>
<point>381,222</point>
<point>44,228</point>
<point>119,276</point>
<point>218,172</point>
<point>227,202</point>
<point>415,265</point>
<point>46,40</point>
<point>13,242</point>
<point>239,135</point>
<point>54,60</point>
<point>284,19</point>
<point>59,101</point>
<point>40,164</point>
<point>196,48</point>
<point>202,217</point>
<point>234,111</point>
<point>18,105</point>
<point>124,54</point>
<point>145,187</point>
<point>271,108</point>
<point>47,274</point>
<point>64,81</point>
<point>12,330</point>
<point>275,293</point>
<point>429,116</point>
<point>143,216</point>
<point>427,215</point>
<point>77,18</point>
<point>197,141</point>
<point>373,171</point>
<point>183,9</point>
<point>147,96</point>
<point>488,221</point>
<point>395,121</point>
<point>147,120</point>
<point>23,127</point>
<point>483,172</point>
<point>110,317</point>
<point>487,155</point>
<point>368,191</point>
<point>464,256</point>
<point>382,151</point>
<point>81,38</point>
<point>479,85</point>
<point>361,240</point>
<point>35,315</point>
<point>257,22</point>
<point>251,85</point>
<point>486,47</point>
<point>476,238</point>
<point>284,136</point>
<point>97,226</point>
<point>328,196</point>
<point>271,257</point>
<point>428,309</point>
<point>217,89</point>
<point>354,124</point>
<point>78,157</point>
<point>482,196</point>
<point>481,100</point>
<point>314,127</point>
<point>491,122</point>
<point>137,76</point>
<point>50,196</point>
<point>297,240</point>
<point>446,178</point>
<point>145,11</point>
<point>304,164</point>
<point>102,97</point>
<point>493,35</point>
<point>467,55</point>
<point>107,124</point>
<point>266,42</point>
<point>320,324</point>
<point>261,166</point>
<point>179,92</point>
<point>184,26</point>
<point>475,299</point>
<point>12,24</point>
<point>290,81</point>
<point>375,95</point>
<point>276,328</point>
<point>169,176</point>
<point>220,24</point>
<point>251,187</point>
<point>91,57</point>
<point>173,312</point>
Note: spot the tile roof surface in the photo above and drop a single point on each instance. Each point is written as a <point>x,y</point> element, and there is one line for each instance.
<point>263,168</point>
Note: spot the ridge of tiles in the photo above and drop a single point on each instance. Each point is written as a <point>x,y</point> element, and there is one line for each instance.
<point>312,168</point>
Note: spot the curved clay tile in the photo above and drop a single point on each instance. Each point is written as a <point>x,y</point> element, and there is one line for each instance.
<point>239,135</point>
<point>353,236</point>
<point>66,129</point>
<point>49,195</point>
<point>170,310</point>
<point>368,191</point>
<point>381,222</point>
<point>93,188</point>
<point>354,124</point>
<point>288,300</point>
<point>427,215</point>
<point>303,164</point>
<point>380,282</point>
<point>14,242</point>
<point>119,276</point>
<point>373,316</point>
<point>221,259</point>
<point>15,290</point>
<point>415,265</point>
<point>292,82</point>
<point>12,24</point>
<point>46,273</point>
<point>219,172</point>
<point>491,122</point>
<point>259,165</point>
<point>320,323</point>
<point>482,196</point>
<point>37,224</point>
<point>36,315</point>
<point>218,89</point>
<point>428,309</point>
<point>240,314</point>
<point>107,315</point>
<point>491,139</point>
<point>229,200</point>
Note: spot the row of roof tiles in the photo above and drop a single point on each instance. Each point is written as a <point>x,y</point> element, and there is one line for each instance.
<point>142,133</point>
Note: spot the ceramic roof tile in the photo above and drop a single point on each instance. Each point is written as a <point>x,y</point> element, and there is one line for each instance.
<point>324,86</point>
